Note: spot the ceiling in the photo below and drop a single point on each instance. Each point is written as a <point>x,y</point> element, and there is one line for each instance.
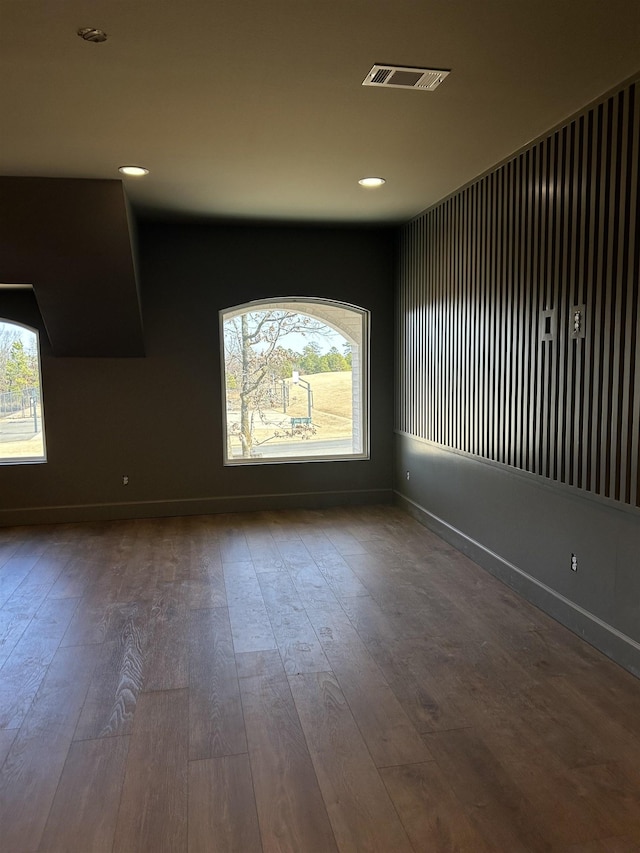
<point>248,109</point>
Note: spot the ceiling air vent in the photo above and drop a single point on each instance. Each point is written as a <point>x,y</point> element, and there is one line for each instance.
<point>399,77</point>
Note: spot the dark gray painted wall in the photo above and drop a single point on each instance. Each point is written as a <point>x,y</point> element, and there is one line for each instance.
<point>158,419</point>
<point>524,448</point>
<point>524,529</point>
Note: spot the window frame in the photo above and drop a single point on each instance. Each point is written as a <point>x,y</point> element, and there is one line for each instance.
<point>281,303</point>
<point>29,460</point>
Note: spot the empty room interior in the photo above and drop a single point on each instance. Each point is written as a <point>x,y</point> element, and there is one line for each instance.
<point>320,426</point>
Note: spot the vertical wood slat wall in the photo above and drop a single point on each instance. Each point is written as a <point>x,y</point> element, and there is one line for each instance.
<point>555,227</point>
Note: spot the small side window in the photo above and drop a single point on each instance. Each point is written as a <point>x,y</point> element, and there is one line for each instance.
<point>21,411</point>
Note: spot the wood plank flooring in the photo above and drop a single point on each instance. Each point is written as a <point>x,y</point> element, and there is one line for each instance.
<point>297,682</point>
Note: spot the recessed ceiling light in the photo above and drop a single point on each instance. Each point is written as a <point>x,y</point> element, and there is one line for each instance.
<point>371,182</point>
<point>92,34</point>
<point>133,171</point>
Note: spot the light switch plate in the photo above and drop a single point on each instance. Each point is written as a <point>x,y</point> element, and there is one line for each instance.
<point>577,321</point>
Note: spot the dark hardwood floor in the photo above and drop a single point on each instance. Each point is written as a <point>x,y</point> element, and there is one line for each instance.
<point>337,680</point>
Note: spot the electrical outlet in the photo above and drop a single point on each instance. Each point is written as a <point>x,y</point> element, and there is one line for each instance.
<point>125,480</point>
<point>408,476</point>
<point>574,563</point>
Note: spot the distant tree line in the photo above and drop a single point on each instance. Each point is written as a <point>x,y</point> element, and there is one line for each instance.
<point>313,360</point>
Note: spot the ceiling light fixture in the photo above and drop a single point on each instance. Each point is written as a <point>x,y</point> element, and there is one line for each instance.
<point>371,183</point>
<point>133,171</point>
<point>92,34</point>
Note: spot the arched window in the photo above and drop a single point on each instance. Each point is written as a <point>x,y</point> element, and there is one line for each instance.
<point>295,381</point>
<point>21,414</point>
